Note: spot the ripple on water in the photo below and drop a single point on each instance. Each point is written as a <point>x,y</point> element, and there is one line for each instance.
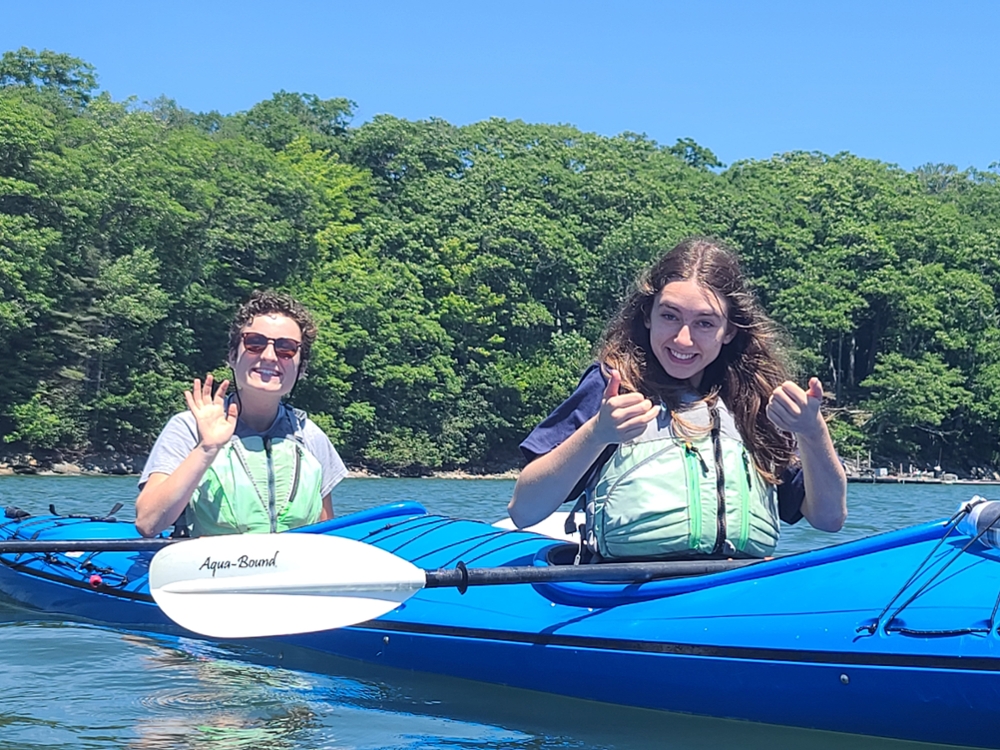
<point>77,685</point>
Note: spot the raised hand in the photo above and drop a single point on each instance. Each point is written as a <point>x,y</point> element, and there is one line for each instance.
<point>216,423</point>
<point>624,416</point>
<point>795,410</point>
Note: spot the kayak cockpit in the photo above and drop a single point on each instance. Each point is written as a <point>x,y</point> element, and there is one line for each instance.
<point>654,580</point>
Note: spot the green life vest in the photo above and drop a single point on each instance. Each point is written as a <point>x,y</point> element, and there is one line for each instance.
<point>682,489</point>
<point>258,485</point>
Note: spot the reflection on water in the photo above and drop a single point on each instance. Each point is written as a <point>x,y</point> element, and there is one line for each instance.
<point>74,685</point>
<point>208,700</point>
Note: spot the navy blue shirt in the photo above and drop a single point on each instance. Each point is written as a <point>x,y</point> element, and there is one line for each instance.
<point>585,402</point>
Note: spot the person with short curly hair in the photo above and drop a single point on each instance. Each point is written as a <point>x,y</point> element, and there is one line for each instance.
<point>687,436</point>
<point>247,461</point>
<point>267,302</point>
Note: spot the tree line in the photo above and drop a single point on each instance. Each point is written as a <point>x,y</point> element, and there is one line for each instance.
<point>461,275</point>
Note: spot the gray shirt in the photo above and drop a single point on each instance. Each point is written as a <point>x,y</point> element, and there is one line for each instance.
<point>180,437</point>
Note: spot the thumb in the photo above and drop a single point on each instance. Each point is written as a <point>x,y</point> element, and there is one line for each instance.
<point>233,412</point>
<point>614,382</point>
<point>815,389</point>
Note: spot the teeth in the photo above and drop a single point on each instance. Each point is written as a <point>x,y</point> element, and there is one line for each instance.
<point>678,355</point>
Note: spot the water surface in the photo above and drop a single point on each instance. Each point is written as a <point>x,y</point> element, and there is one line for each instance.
<point>75,685</point>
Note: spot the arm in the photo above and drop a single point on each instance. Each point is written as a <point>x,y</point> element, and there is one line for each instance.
<point>797,411</point>
<point>327,513</point>
<point>164,496</point>
<point>544,482</point>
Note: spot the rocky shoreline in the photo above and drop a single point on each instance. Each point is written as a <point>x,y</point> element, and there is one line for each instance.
<point>115,463</point>
<point>110,463</point>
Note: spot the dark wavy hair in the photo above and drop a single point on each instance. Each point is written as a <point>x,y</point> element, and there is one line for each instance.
<point>266,302</point>
<point>747,369</point>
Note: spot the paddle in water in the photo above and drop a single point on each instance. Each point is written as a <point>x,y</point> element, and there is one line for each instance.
<point>258,585</point>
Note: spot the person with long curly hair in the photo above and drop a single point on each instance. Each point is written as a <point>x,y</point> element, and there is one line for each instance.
<point>688,435</point>
<point>246,461</point>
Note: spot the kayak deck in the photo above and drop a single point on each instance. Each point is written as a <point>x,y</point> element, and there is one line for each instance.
<point>787,641</point>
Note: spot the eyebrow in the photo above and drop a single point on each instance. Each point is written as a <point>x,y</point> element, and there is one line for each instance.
<point>698,313</point>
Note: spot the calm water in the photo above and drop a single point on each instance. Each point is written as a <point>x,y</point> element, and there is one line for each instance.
<point>74,685</point>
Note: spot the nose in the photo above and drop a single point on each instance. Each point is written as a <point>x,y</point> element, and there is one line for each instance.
<point>269,352</point>
<point>684,336</point>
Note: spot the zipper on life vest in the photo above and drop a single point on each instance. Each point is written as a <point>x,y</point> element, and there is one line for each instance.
<point>295,478</point>
<point>272,511</point>
<point>746,486</point>
<point>692,462</point>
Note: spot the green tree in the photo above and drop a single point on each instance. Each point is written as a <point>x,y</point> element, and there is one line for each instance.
<point>71,78</point>
<point>915,405</point>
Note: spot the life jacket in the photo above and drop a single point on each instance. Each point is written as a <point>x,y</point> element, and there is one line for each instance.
<point>259,484</point>
<point>685,488</point>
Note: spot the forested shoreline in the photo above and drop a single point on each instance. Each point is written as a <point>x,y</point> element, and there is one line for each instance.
<point>460,274</point>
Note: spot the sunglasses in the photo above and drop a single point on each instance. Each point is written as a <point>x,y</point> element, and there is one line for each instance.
<point>255,343</point>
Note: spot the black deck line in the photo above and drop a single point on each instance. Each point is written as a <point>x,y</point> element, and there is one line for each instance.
<point>833,658</point>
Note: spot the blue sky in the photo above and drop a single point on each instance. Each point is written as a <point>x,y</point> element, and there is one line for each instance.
<point>904,82</point>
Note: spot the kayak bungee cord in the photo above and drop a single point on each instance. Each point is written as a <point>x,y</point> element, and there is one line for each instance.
<point>482,539</point>
<point>437,523</point>
<point>950,525</point>
<point>521,539</point>
<point>433,524</point>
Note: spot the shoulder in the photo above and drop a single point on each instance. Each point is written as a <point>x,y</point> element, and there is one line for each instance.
<point>319,445</point>
<point>176,440</point>
<point>296,423</point>
<point>182,427</point>
<point>588,393</point>
<point>312,434</point>
<point>568,417</point>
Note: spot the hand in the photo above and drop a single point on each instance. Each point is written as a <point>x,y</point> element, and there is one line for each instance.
<point>216,424</point>
<point>622,416</point>
<point>794,410</point>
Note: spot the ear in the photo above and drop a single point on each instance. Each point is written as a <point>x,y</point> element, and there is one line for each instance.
<point>730,334</point>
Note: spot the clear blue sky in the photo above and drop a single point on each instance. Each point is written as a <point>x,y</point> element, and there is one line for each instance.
<point>905,82</point>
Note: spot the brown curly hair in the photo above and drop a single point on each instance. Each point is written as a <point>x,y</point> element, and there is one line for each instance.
<point>747,369</point>
<point>266,302</point>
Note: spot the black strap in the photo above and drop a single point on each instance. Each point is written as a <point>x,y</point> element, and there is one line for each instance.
<point>720,481</point>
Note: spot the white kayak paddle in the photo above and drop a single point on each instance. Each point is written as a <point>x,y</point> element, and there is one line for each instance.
<point>259,585</point>
<point>252,585</point>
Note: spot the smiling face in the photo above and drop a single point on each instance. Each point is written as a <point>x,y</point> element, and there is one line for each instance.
<point>687,329</point>
<point>266,373</point>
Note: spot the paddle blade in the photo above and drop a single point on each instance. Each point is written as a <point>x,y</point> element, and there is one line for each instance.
<point>256,585</point>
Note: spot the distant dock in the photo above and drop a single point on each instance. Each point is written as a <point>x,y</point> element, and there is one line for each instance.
<point>896,479</point>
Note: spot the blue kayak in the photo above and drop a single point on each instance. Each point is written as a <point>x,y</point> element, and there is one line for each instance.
<point>894,635</point>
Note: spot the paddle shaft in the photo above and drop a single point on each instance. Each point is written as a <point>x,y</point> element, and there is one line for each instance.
<point>460,577</point>
<point>636,572</point>
<point>11,547</point>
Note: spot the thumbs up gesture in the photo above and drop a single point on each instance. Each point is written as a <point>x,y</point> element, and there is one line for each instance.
<point>795,410</point>
<point>623,416</point>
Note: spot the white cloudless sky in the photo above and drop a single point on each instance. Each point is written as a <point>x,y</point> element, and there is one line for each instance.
<point>905,82</point>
